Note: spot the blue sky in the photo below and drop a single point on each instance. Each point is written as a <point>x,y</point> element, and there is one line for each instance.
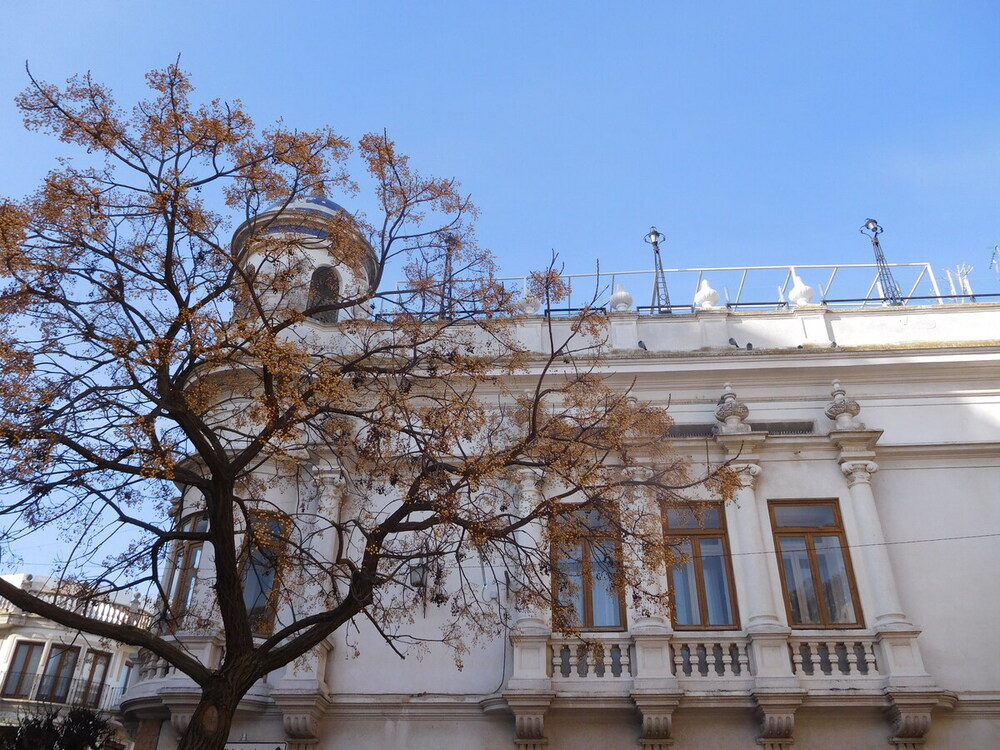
<point>749,133</point>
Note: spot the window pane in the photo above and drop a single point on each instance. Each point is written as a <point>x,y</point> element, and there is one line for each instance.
<point>58,673</point>
<point>571,592</point>
<point>23,667</point>
<point>604,599</point>
<point>685,590</point>
<point>833,574</point>
<point>799,581</point>
<point>804,515</point>
<point>688,518</point>
<point>324,290</point>
<point>716,575</point>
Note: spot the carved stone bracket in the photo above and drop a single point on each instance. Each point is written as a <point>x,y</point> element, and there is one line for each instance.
<point>657,720</point>
<point>776,715</point>
<point>301,716</point>
<point>529,720</point>
<point>179,721</point>
<point>910,715</point>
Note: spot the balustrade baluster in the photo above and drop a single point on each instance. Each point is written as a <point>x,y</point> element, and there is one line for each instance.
<point>832,658</point>
<point>852,657</point>
<point>727,660</point>
<point>625,659</point>
<point>574,662</point>
<point>557,660</point>
<point>869,647</point>
<point>679,659</point>
<point>797,667</point>
<point>743,659</point>
<point>710,660</point>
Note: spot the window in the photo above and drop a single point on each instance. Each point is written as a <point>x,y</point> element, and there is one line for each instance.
<point>588,586</point>
<point>324,289</point>
<point>23,668</point>
<point>58,673</point>
<point>815,568</point>
<point>181,590</point>
<point>701,585</point>
<point>261,570</point>
<point>95,670</point>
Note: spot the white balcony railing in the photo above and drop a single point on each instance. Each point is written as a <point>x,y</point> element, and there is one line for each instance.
<point>612,662</point>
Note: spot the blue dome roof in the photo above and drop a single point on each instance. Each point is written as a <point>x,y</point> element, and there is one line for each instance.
<point>318,203</point>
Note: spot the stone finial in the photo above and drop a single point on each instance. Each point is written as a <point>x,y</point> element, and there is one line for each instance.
<point>800,293</point>
<point>706,297</point>
<point>732,412</point>
<point>621,300</point>
<point>529,305</point>
<point>27,582</point>
<point>843,410</point>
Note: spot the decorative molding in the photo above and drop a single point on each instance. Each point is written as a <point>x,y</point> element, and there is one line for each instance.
<point>732,412</point>
<point>529,720</point>
<point>843,410</point>
<point>910,715</point>
<point>748,474</point>
<point>657,719</point>
<point>776,716</point>
<point>858,472</point>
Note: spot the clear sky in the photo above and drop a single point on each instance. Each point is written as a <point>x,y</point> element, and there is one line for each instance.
<point>748,132</point>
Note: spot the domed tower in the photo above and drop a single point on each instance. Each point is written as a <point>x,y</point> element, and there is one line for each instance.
<point>306,253</point>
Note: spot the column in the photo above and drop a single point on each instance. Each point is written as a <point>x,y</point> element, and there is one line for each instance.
<point>753,567</point>
<point>870,544</point>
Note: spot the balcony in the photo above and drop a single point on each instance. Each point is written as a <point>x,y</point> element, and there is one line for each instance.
<point>698,665</point>
<point>58,691</point>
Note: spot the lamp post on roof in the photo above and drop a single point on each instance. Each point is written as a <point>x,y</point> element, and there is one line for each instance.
<point>890,291</point>
<point>661,298</point>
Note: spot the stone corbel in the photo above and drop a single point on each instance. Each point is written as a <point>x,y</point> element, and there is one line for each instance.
<point>179,722</point>
<point>776,715</point>
<point>529,720</point>
<point>301,715</point>
<point>910,715</point>
<point>302,731</point>
<point>657,720</point>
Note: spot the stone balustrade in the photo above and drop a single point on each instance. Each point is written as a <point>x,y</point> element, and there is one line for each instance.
<point>619,661</point>
<point>834,656</point>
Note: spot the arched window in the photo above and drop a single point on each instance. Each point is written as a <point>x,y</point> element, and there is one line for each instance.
<point>324,289</point>
<point>185,574</point>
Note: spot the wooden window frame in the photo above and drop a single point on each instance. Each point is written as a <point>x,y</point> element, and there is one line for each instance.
<point>694,536</point>
<point>319,296</point>
<point>263,624</point>
<point>808,533</point>
<point>91,691</point>
<point>185,572</point>
<point>586,574</point>
<point>55,687</point>
<point>18,691</point>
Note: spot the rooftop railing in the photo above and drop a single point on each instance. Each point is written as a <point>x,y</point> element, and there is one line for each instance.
<point>735,288</point>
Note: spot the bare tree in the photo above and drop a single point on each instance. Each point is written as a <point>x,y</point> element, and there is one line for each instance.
<point>168,392</point>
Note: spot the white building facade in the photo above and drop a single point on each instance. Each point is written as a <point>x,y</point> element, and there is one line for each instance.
<point>847,597</point>
<point>45,667</point>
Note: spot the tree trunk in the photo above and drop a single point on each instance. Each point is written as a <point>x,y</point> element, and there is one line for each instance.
<point>212,719</point>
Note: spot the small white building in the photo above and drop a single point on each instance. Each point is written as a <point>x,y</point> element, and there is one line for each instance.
<point>47,667</point>
<point>848,598</point>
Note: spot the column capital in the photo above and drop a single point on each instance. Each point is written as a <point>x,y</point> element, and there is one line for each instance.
<point>858,472</point>
<point>748,473</point>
